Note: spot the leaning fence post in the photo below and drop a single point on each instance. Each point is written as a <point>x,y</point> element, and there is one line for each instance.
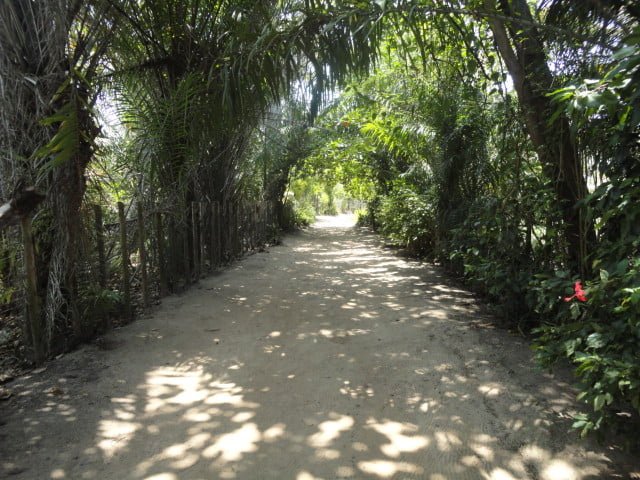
<point>238,231</point>
<point>33,301</point>
<point>102,261</point>
<point>187,248</point>
<point>126,289</point>
<point>261,228</point>
<point>187,252</point>
<point>195,245</point>
<point>162,272</point>
<point>256,216</point>
<point>202,231</point>
<point>143,257</point>
<point>174,253</point>
<point>228,227</point>
<point>212,236</point>
<point>242,231</point>
<point>218,232</point>
<point>263,220</point>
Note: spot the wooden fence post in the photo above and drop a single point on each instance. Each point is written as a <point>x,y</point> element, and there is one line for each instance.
<point>174,254</point>
<point>186,253</point>
<point>34,321</point>
<point>202,230</point>
<point>232,230</point>
<point>218,233</point>
<point>187,248</point>
<point>263,221</point>
<point>195,223</point>
<point>240,229</point>
<point>224,226</point>
<point>259,224</point>
<point>143,257</point>
<point>162,268</point>
<point>102,261</point>
<point>236,231</point>
<point>256,216</point>
<point>228,226</point>
<point>212,236</point>
<point>126,288</point>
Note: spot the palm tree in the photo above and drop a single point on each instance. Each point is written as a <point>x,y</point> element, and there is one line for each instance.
<point>49,57</point>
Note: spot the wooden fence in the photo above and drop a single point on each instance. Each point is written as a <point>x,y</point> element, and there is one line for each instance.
<point>161,252</point>
<point>136,253</point>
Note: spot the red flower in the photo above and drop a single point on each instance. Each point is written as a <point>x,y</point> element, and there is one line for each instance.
<point>579,294</point>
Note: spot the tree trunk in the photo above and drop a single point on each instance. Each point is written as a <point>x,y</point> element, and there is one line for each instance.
<point>67,185</point>
<point>523,52</point>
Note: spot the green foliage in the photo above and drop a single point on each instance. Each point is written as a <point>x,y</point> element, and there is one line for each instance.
<point>7,293</point>
<point>600,338</point>
<point>8,266</point>
<point>305,215</point>
<point>294,217</point>
<point>489,249</point>
<point>364,217</point>
<point>98,307</point>
<point>408,218</point>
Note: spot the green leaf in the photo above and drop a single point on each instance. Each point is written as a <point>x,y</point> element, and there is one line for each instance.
<point>604,276</point>
<point>625,52</point>
<point>595,340</point>
<point>574,309</point>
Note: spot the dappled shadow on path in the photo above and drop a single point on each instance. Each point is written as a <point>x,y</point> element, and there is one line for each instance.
<point>326,358</point>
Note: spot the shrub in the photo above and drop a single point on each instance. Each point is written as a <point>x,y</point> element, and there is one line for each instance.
<point>98,306</point>
<point>305,215</point>
<point>600,337</point>
<point>294,216</point>
<point>364,218</point>
<point>490,251</point>
<point>407,218</point>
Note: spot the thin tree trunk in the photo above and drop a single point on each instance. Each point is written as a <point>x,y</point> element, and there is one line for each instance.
<point>523,52</point>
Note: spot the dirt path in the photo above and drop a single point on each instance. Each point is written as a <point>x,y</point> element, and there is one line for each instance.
<point>326,358</point>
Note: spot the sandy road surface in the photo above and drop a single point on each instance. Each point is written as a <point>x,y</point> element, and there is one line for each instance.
<point>325,358</point>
